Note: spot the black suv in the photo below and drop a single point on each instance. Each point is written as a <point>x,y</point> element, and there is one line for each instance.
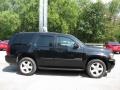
<point>33,50</point>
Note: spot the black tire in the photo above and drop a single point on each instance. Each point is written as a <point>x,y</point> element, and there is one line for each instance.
<point>96,68</point>
<point>27,66</point>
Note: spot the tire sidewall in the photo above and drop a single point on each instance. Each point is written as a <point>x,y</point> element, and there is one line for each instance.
<point>33,65</point>
<point>89,65</point>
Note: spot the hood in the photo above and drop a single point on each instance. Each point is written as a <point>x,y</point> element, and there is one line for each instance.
<point>89,49</point>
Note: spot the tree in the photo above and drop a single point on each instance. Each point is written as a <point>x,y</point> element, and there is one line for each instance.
<point>62,15</point>
<point>112,21</point>
<point>9,23</point>
<point>28,12</point>
<point>90,22</point>
<point>91,26</point>
<point>25,13</point>
<point>114,8</point>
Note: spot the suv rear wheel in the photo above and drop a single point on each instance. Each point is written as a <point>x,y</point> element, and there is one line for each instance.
<point>27,66</point>
<point>96,68</point>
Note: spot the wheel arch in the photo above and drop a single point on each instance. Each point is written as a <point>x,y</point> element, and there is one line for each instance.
<point>20,56</point>
<point>102,58</point>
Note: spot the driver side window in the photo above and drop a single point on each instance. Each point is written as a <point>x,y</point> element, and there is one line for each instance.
<point>65,41</point>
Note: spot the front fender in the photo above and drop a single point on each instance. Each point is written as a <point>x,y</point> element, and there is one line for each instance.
<point>99,55</point>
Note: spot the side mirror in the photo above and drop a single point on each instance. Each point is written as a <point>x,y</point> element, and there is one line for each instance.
<point>76,46</point>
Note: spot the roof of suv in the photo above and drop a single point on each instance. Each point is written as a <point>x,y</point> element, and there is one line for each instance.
<point>44,33</point>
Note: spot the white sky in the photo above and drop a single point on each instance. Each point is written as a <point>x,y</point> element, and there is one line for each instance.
<point>104,1</point>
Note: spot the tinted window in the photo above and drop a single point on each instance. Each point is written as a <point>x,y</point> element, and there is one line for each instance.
<point>64,41</point>
<point>22,38</point>
<point>44,40</point>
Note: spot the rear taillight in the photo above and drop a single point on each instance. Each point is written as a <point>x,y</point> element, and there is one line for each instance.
<point>8,49</point>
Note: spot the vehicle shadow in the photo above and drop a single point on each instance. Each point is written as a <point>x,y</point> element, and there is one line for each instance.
<point>10,68</point>
<point>61,73</point>
<point>14,69</point>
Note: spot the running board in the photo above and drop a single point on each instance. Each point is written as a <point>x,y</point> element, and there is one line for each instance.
<point>67,69</point>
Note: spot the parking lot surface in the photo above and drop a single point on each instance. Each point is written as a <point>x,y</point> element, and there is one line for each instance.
<point>56,80</point>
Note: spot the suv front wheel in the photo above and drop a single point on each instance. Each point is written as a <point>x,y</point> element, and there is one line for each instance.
<point>27,66</point>
<point>96,68</point>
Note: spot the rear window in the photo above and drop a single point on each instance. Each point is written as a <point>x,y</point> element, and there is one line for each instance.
<point>21,39</point>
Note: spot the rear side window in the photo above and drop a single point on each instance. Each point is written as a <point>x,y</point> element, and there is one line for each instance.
<point>45,41</point>
<point>22,39</point>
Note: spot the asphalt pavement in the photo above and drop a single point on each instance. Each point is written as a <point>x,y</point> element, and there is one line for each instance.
<point>56,80</point>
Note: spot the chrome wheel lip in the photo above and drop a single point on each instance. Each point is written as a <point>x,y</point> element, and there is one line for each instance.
<point>26,67</point>
<point>96,69</point>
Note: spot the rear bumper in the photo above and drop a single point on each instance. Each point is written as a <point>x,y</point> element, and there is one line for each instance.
<point>110,65</point>
<point>10,59</point>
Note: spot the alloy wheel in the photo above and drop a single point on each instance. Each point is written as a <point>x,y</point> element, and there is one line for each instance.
<point>26,66</point>
<point>96,69</point>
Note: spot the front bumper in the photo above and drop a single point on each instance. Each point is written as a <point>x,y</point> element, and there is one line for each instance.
<point>10,59</point>
<point>110,65</point>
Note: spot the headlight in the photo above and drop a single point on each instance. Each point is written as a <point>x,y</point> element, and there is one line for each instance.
<point>111,55</point>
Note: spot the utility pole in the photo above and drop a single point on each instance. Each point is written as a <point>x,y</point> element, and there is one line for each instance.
<point>43,13</point>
